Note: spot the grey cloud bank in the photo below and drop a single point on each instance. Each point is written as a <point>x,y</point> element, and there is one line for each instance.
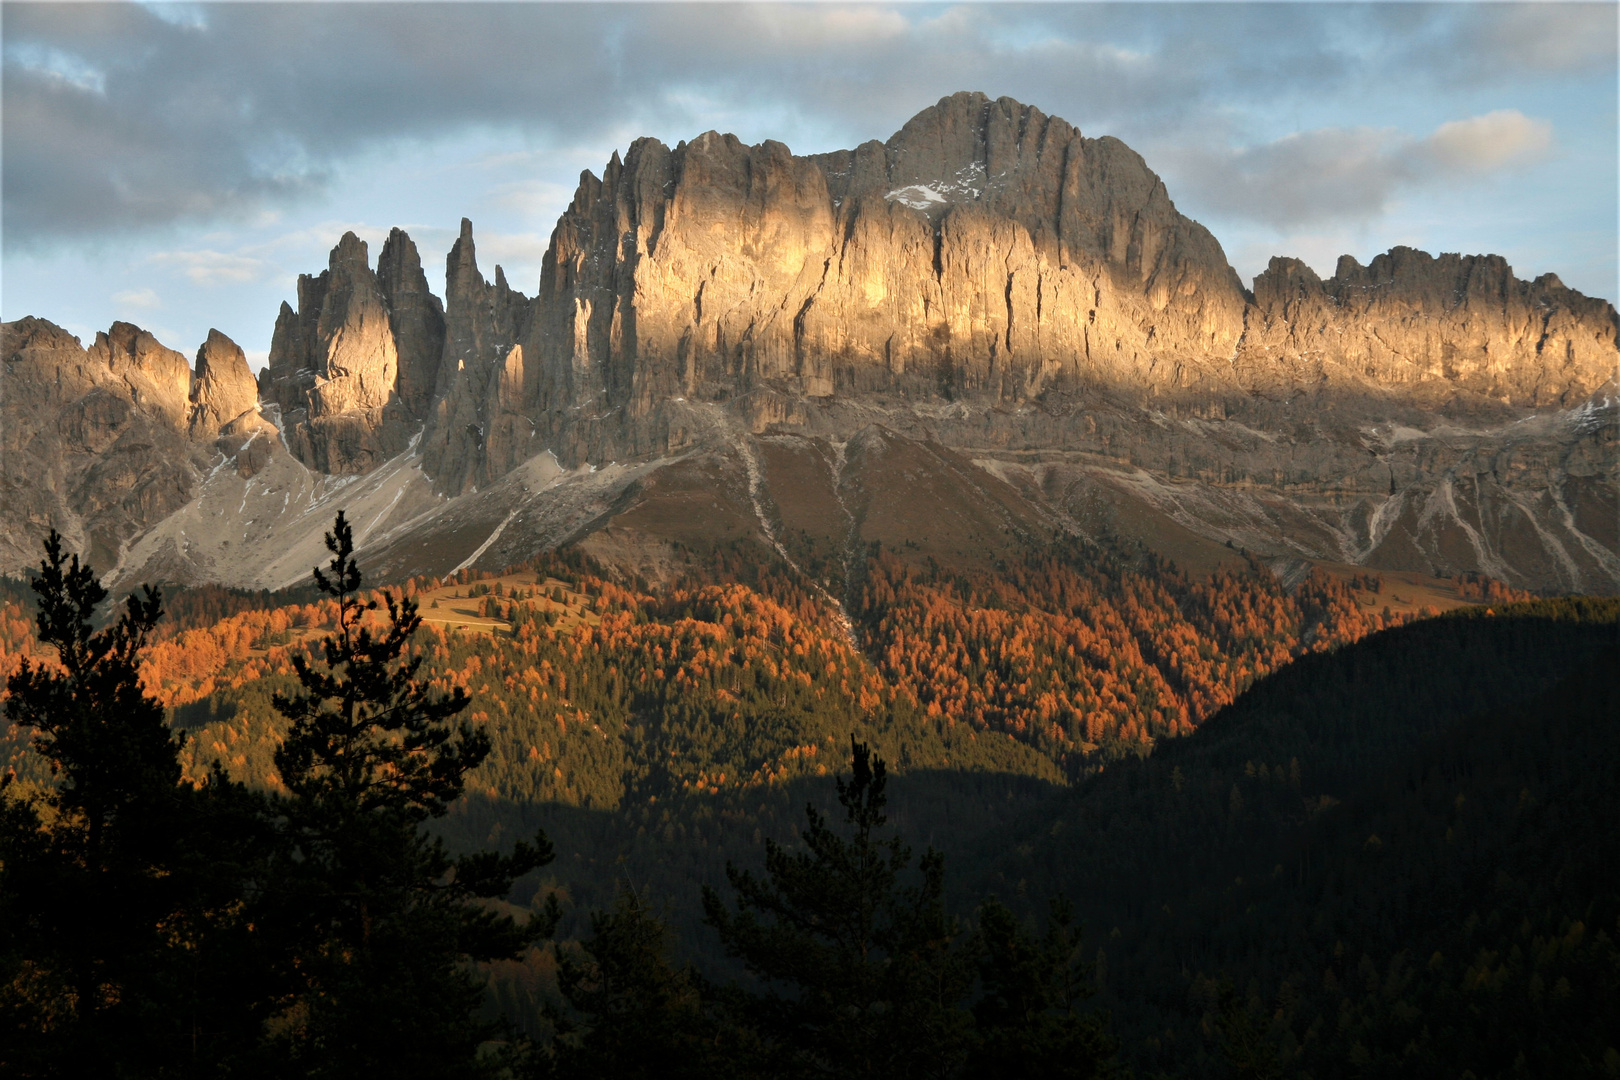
<point>118,116</point>
<point>1353,173</point>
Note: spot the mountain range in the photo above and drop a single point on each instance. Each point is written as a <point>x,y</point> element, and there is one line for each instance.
<point>984,333</point>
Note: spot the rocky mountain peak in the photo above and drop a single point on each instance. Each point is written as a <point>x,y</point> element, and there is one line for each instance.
<point>356,362</point>
<point>349,258</point>
<point>335,368</point>
<point>416,318</point>
<point>223,390</point>
<point>159,378</point>
<point>1457,322</point>
<point>984,250</point>
<point>477,429</point>
<point>93,442</point>
<point>461,264</point>
<point>989,279</point>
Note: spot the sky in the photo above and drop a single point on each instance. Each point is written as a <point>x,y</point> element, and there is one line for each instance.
<point>177,165</point>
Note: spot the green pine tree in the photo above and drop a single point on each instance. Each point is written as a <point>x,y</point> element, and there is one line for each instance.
<point>861,974</point>
<point>1029,1017</point>
<point>631,1013</point>
<point>382,924</point>
<point>1246,1044</point>
<point>122,939</point>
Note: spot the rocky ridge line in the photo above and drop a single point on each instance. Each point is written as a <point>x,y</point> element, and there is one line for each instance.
<point>985,253</point>
<point>102,443</point>
<point>988,278</point>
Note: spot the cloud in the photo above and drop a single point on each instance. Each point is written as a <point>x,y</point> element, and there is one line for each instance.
<point>827,25</point>
<point>530,198</point>
<point>137,298</point>
<point>317,238</point>
<point>213,267</point>
<point>1348,174</point>
<point>1540,37</point>
<point>53,66</point>
<point>1483,144</point>
<point>128,116</point>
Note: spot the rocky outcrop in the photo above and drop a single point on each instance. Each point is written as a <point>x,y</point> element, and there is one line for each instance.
<point>334,363</point>
<point>356,363</point>
<point>989,281</point>
<point>224,394</point>
<point>1412,321</point>
<point>415,318</point>
<point>990,254</point>
<point>985,253</point>
<point>159,379</point>
<point>984,250</point>
<point>92,442</point>
<point>479,429</point>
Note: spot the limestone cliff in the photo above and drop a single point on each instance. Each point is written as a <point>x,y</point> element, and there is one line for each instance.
<point>97,443</point>
<point>223,392</point>
<point>984,250</point>
<point>334,364</point>
<point>989,254</point>
<point>415,318</point>
<point>158,378</point>
<point>988,281</point>
<point>478,429</point>
<point>1411,321</point>
<point>985,254</point>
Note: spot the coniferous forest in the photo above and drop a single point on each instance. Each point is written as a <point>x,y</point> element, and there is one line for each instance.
<point>1078,814</point>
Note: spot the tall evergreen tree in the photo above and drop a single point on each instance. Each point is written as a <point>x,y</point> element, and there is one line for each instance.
<point>1029,1017</point>
<point>632,1014</point>
<point>383,925</point>
<point>861,975</point>
<point>123,941</point>
<point>1246,1045</point>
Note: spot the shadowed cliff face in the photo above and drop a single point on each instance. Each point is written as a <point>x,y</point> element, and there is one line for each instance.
<point>477,429</point>
<point>103,443</point>
<point>988,285</point>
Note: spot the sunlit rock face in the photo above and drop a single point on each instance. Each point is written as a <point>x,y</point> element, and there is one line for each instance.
<point>415,319</point>
<point>223,391</point>
<point>1411,321</point>
<point>988,283</point>
<point>102,443</point>
<point>986,250</point>
<point>158,378</point>
<point>334,365</point>
<point>990,255</point>
<point>987,255</point>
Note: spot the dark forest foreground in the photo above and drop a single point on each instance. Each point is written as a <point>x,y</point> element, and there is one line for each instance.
<point>1390,856</point>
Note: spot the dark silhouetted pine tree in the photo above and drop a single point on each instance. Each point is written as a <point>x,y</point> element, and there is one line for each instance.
<point>862,977</point>
<point>631,1013</point>
<point>123,943</point>
<point>382,925</point>
<point>1029,1018</point>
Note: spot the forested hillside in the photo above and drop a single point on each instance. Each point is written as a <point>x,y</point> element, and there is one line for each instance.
<point>600,695</point>
<point>1287,834</point>
<point>1399,855</point>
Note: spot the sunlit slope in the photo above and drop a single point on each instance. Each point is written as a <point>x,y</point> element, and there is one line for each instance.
<point>596,691</point>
